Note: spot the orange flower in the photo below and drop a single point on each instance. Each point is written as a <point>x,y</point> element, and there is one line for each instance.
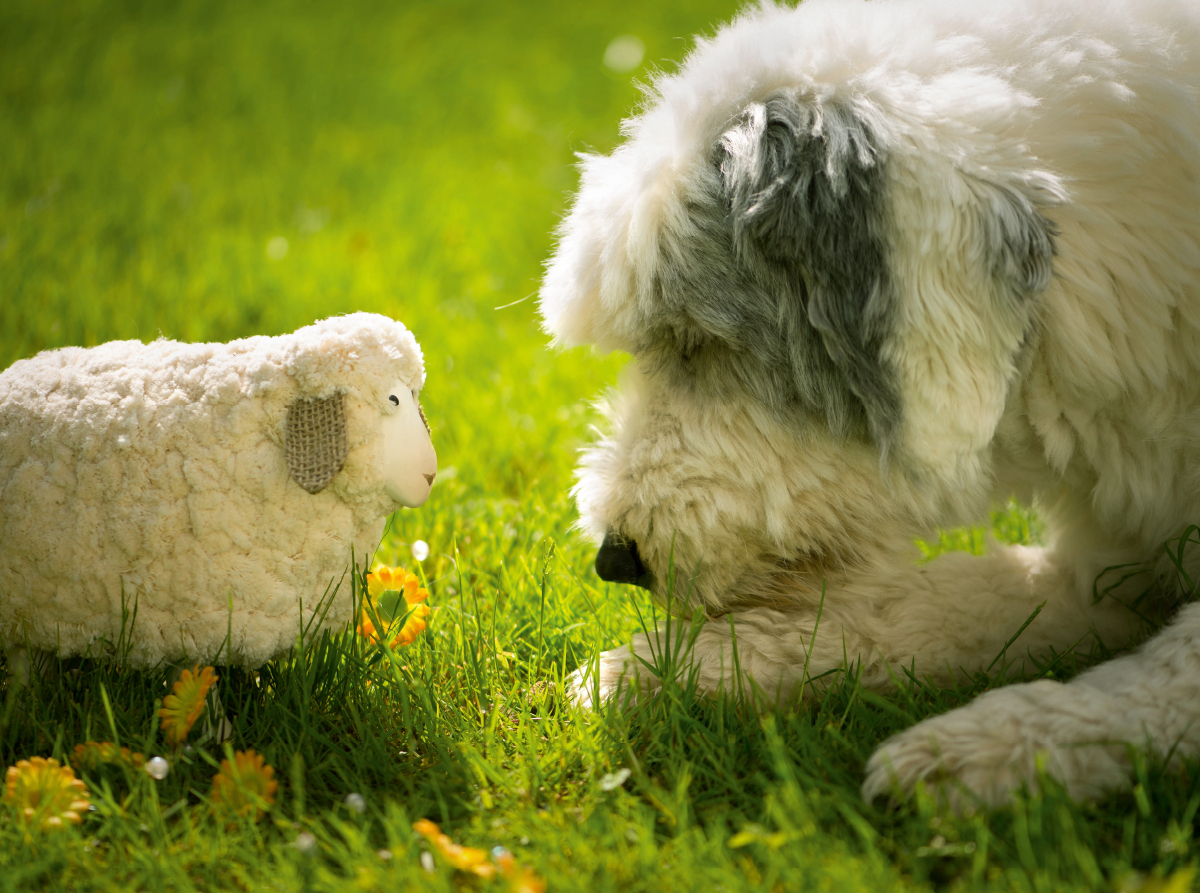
<point>405,620</point>
<point>187,700</point>
<point>520,878</point>
<point>91,755</point>
<point>464,858</point>
<point>414,625</point>
<point>46,795</point>
<point>245,787</point>
<point>366,629</point>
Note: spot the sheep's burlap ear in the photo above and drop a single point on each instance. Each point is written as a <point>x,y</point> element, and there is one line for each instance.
<point>315,441</point>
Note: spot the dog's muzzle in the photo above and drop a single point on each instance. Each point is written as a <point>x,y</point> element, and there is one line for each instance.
<point>618,562</point>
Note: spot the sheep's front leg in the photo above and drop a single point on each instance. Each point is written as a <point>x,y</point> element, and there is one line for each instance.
<point>1079,731</point>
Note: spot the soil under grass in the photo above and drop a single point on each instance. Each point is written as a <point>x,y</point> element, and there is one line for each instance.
<point>208,170</point>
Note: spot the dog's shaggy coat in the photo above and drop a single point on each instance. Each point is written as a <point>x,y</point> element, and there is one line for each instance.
<point>882,265</point>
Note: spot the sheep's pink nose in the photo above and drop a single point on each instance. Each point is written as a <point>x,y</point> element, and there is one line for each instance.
<point>430,477</point>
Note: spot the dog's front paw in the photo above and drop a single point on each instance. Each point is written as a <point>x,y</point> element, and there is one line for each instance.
<point>978,755</point>
<point>615,671</point>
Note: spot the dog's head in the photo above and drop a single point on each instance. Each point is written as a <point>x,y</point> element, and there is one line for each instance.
<point>827,274</point>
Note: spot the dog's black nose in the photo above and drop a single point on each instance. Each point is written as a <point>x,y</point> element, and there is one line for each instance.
<point>618,562</point>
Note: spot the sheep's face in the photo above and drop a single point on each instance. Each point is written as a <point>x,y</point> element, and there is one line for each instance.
<point>409,462</point>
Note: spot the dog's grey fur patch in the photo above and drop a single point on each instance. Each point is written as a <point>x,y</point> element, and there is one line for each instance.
<point>1019,241</point>
<point>783,287</point>
<point>732,329</point>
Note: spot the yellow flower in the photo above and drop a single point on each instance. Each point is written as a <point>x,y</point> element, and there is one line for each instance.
<point>89,756</point>
<point>245,787</point>
<point>183,706</point>
<point>46,795</point>
<point>403,627</point>
<point>464,858</point>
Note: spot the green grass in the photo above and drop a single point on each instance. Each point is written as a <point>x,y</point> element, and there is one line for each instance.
<point>416,159</point>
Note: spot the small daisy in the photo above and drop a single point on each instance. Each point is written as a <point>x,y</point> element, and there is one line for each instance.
<point>245,787</point>
<point>186,703</point>
<point>46,794</point>
<point>401,628</point>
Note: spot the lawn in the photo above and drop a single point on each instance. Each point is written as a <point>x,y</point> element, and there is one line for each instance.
<point>209,170</point>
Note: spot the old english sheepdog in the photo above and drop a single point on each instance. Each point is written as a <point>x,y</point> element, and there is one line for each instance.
<point>881,266</point>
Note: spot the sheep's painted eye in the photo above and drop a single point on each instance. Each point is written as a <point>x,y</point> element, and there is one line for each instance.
<point>395,400</point>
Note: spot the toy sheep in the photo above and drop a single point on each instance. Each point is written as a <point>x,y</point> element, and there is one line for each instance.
<point>218,488</point>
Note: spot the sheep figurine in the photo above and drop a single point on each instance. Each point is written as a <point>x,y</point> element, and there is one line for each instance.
<point>175,496</point>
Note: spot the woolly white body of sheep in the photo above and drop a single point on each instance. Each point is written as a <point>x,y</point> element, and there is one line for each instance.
<point>152,478</point>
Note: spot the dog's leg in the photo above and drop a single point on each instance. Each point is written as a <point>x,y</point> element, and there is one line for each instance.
<point>962,614</point>
<point>769,647</point>
<point>596,683</point>
<point>1080,731</point>
<point>951,617</point>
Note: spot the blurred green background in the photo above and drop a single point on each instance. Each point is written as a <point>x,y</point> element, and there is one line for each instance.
<point>210,170</point>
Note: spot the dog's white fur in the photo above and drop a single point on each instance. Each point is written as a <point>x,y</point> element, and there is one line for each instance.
<point>1085,392</point>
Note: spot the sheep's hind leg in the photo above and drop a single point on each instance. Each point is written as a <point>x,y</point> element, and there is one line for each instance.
<point>19,665</point>
<point>23,662</point>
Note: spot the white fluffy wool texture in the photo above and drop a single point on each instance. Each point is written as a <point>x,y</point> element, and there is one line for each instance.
<point>153,476</point>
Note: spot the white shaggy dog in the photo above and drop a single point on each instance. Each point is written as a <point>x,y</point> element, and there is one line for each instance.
<point>880,266</point>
